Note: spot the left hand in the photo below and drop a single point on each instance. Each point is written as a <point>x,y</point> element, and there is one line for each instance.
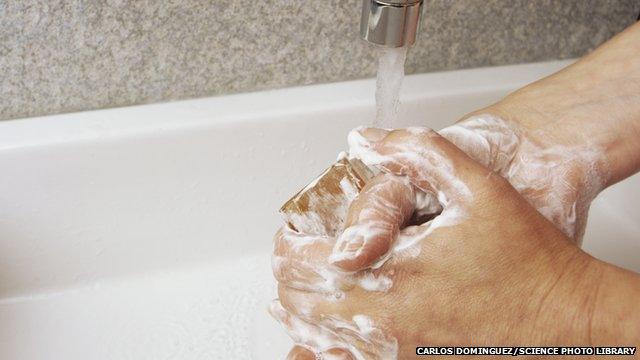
<point>558,178</point>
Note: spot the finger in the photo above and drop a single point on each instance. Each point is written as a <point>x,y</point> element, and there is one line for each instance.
<point>333,331</point>
<point>300,261</point>
<point>429,161</point>
<point>320,310</point>
<point>336,354</point>
<point>325,326</point>
<point>301,331</point>
<point>486,139</point>
<point>301,353</point>
<point>306,304</point>
<point>304,333</point>
<point>374,218</point>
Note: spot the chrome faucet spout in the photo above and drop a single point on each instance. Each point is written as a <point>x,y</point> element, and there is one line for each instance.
<point>390,23</point>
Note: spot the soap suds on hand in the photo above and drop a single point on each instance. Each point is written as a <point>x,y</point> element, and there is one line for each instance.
<point>536,169</point>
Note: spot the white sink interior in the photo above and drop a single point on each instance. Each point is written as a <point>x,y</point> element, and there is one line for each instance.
<point>145,232</point>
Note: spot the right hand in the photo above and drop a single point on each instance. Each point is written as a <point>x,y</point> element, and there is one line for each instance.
<point>479,273</point>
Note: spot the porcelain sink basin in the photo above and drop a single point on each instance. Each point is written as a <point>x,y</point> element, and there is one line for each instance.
<point>145,232</point>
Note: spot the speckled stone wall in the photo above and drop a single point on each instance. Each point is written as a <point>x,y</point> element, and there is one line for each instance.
<point>69,55</point>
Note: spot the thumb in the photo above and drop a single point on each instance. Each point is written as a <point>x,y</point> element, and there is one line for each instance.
<point>413,157</point>
<point>374,219</point>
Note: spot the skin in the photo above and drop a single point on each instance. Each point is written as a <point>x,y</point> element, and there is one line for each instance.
<point>484,280</point>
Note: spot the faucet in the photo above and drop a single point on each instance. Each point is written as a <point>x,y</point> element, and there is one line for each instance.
<point>390,23</point>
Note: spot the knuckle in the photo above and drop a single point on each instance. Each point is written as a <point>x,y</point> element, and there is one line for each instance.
<point>279,267</point>
<point>284,294</point>
<point>396,135</point>
<point>280,245</point>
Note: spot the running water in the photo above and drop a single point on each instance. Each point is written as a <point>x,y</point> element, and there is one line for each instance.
<point>388,84</point>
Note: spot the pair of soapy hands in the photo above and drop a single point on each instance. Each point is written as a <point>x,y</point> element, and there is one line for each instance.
<point>507,208</point>
<point>498,264</point>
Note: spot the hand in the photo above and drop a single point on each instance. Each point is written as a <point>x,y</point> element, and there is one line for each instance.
<point>566,137</point>
<point>560,181</point>
<point>593,104</point>
<point>466,277</point>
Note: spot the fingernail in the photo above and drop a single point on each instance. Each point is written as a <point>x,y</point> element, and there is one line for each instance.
<point>350,240</point>
<point>373,134</point>
<point>347,246</point>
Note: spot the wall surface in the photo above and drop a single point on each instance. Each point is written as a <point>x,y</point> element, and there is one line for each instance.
<point>70,55</point>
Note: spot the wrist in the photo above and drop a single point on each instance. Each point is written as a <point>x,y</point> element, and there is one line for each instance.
<point>563,305</point>
<point>580,123</point>
<point>615,317</point>
<point>587,302</point>
<point>594,102</point>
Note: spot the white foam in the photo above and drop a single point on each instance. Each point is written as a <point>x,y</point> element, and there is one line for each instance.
<point>332,332</point>
<point>536,168</point>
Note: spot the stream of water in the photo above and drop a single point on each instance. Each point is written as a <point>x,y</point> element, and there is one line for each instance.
<point>388,84</point>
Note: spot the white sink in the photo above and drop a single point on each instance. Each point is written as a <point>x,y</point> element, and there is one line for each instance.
<point>145,232</point>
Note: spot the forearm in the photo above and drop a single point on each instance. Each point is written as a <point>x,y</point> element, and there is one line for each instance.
<point>594,102</point>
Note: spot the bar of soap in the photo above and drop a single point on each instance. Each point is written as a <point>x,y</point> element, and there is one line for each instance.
<point>321,207</point>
